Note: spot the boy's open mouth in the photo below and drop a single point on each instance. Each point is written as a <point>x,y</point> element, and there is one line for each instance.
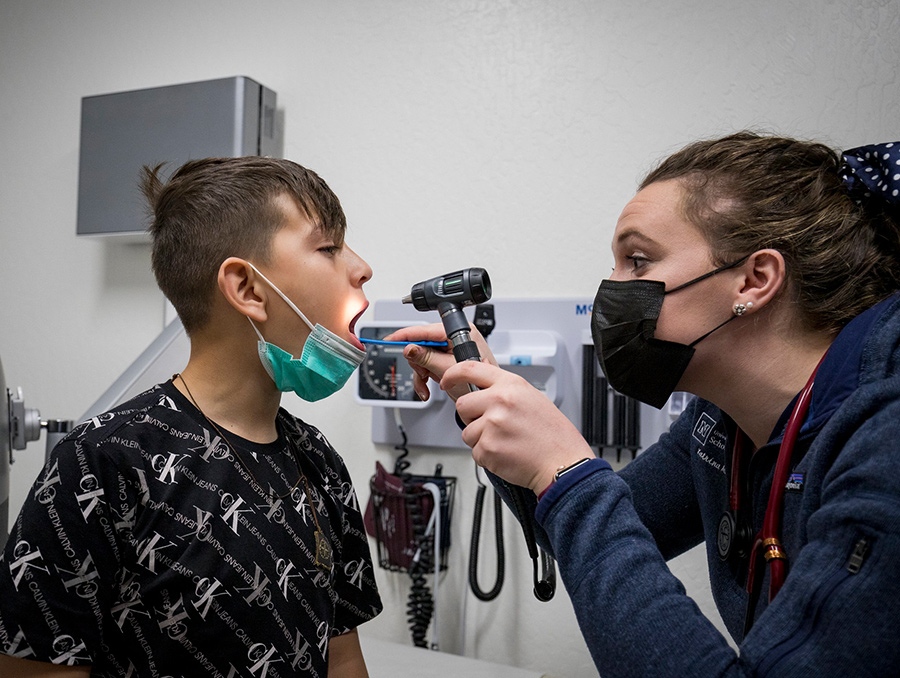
<point>353,338</point>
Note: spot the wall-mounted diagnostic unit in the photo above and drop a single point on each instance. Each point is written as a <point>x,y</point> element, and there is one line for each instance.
<point>545,341</point>
<point>123,131</point>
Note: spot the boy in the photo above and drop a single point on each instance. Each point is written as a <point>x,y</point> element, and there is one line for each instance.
<point>199,529</point>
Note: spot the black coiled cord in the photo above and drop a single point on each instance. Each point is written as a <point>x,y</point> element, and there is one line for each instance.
<point>420,607</point>
<point>473,548</point>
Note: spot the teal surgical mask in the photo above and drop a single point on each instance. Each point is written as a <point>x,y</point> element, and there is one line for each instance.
<point>324,366</point>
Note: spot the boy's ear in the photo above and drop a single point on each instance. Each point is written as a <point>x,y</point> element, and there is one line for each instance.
<point>243,289</point>
<point>764,276</point>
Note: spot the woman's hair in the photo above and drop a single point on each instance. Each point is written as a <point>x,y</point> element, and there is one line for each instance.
<point>747,192</point>
<point>215,208</point>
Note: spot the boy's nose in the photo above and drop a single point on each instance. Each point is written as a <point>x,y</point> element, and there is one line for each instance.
<point>360,271</point>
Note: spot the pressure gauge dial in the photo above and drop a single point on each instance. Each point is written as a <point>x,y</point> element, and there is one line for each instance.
<point>385,378</point>
<point>386,375</point>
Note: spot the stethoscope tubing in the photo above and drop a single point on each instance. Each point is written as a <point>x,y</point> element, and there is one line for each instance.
<point>767,542</point>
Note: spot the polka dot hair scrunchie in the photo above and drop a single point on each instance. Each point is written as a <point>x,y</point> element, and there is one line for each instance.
<point>873,172</point>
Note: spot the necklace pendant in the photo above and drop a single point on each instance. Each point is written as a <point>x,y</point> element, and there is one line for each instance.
<point>323,552</point>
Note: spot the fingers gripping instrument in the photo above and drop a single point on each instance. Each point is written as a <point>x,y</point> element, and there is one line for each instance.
<point>449,294</point>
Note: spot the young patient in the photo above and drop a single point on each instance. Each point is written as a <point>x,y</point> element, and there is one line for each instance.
<point>200,529</point>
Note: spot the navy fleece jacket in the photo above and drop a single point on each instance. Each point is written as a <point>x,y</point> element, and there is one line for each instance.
<point>838,613</point>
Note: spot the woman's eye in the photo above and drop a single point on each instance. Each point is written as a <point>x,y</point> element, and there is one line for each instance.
<point>638,261</point>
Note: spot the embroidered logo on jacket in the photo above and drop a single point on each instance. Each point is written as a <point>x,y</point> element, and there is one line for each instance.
<point>706,434</point>
<point>794,483</point>
<point>704,426</point>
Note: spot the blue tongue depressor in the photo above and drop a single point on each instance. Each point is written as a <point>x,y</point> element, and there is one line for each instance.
<point>382,342</point>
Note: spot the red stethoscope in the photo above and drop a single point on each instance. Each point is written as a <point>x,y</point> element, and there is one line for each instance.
<point>734,533</point>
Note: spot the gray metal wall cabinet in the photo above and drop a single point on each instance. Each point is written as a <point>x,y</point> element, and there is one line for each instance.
<point>124,131</point>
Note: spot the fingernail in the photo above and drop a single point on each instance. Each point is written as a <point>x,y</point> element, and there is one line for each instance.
<point>413,351</point>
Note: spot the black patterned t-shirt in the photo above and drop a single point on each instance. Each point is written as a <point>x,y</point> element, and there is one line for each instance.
<point>151,546</point>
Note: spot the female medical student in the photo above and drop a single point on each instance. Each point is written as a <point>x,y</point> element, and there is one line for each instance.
<point>760,274</point>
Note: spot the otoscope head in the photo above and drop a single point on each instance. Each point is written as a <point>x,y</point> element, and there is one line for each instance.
<point>462,288</point>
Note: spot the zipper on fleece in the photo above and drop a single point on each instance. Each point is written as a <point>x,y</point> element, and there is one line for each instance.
<point>790,645</point>
<point>858,556</point>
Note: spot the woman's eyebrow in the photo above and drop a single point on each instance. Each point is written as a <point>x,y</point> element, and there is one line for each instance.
<point>634,234</point>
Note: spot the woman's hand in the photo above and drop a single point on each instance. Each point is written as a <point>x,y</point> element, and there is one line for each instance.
<point>514,430</point>
<point>430,363</point>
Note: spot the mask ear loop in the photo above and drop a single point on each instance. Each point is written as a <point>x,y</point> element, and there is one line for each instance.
<point>283,296</point>
<point>705,275</point>
<point>697,341</point>
<point>258,333</point>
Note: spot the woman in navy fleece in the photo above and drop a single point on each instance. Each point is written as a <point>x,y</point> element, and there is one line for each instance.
<point>759,273</point>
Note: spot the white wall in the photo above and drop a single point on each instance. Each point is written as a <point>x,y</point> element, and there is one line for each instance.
<point>501,133</point>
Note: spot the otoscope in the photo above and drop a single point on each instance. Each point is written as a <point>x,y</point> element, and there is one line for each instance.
<point>449,294</point>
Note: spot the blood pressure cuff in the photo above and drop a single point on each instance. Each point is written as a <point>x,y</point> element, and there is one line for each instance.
<point>396,516</point>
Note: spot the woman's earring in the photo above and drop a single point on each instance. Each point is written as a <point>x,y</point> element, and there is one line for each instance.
<point>741,309</point>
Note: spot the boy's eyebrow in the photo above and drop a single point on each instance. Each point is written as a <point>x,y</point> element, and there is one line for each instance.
<point>318,231</point>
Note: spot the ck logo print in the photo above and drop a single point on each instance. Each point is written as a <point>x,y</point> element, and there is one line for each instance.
<point>147,550</point>
<point>259,591</point>
<point>264,656</point>
<point>171,619</point>
<point>206,591</point>
<point>231,505</point>
<point>284,568</point>
<point>202,527</point>
<point>90,496</point>
<point>166,466</point>
<point>300,658</point>
<point>215,448</point>
<point>83,579</point>
<point>45,491</point>
<point>354,570</point>
<point>130,597</point>
<point>347,496</point>
<point>167,402</point>
<point>100,421</point>
<point>25,558</point>
<point>69,651</point>
<point>18,647</point>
